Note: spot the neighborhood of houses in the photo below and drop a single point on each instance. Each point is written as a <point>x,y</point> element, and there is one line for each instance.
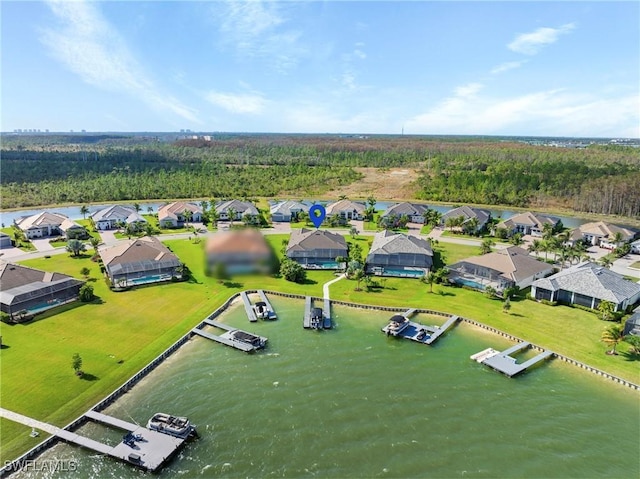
<point>398,252</point>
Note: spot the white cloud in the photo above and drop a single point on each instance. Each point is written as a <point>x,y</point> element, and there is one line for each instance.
<point>237,103</point>
<point>360,54</point>
<point>256,30</point>
<point>88,45</point>
<point>468,90</point>
<point>505,67</point>
<point>548,113</point>
<point>531,43</point>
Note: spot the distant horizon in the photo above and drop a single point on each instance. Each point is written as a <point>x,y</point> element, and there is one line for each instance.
<point>465,68</point>
<point>208,132</point>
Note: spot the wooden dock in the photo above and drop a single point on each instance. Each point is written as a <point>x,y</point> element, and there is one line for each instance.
<point>271,312</point>
<point>308,321</point>
<point>236,338</point>
<point>150,453</point>
<point>308,304</point>
<point>503,361</point>
<point>247,307</point>
<point>409,312</point>
<point>440,330</point>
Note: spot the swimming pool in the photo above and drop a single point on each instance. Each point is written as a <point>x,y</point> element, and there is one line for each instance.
<point>470,283</point>
<point>154,278</point>
<point>405,273</point>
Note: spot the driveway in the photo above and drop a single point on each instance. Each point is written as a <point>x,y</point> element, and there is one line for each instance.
<point>621,266</point>
<point>108,237</point>
<point>42,244</point>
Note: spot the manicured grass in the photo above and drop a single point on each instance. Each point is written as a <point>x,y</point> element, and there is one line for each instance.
<point>635,265</point>
<point>117,335</point>
<point>89,227</point>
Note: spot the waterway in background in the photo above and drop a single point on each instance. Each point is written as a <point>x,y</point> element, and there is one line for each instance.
<point>352,402</point>
<point>73,212</point>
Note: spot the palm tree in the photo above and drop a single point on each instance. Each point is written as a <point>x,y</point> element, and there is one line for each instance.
<point>606,309</point>
<point>612,336</point>
<point>231,213</point>
<point>187,215</point>
<point>429,279</point>
<point>486,245</point>
<point>75,247</point>
<point>84,209</point>
<point>617,238</point>
<point>605,261</point>
<point>137,207</point>
<point>471,226</point>
<point>535,247</point>
<point>547,231</point>
<point>94,242</point>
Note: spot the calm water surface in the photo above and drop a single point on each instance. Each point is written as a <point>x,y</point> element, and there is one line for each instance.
<point>353,403</point>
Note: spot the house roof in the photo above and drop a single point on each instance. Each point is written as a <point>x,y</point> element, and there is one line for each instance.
<point>242,207</point>
<point>407,209</point>
<point>17,280</point>
<point>309,240</point>
<point>286,207</point>
<point>147,248</point>
<point>528,219</point>
<point>118,213</point>
<point>44,219</point>
<point>344,205</point>
<point>172,210</point>
<point>388,242</point>
<point>593,280</point>
<point>604,230</point>
<point>248,241</point>
<point>467,212</point>
<point>513,263</point>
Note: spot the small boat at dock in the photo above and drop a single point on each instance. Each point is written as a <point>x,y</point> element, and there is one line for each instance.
<point>173,425</point>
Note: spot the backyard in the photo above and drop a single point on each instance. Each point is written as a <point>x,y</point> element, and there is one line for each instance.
<point>121,332</point>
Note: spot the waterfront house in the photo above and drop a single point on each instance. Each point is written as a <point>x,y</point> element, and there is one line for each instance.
<point>527,223</point>
<point>397,254</point>
<point>243,251</point>
<point>316,249</point>
<point>413,211</point>
<point>285,211</point>
<point>632,324</point>
<point>5,241</point>
<point>500,269</point>
<point>468,214</point>
<point>172,215</point>
<point>346,209</point>
<point>587,284</point>
<point>115,216</point>
<point>239,208</point>
<point>140,261</point>
<point>602,234</point>
<point>27,291</point>
<point>46,224</point>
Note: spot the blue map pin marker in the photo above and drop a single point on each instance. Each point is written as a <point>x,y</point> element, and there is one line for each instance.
<point>317,214</point>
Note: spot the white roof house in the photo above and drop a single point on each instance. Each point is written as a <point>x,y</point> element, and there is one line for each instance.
<point>241,208</point>
<point>48,224</point>
<point>350,210</point>
<point>285,210</point>
<point>112,216</point>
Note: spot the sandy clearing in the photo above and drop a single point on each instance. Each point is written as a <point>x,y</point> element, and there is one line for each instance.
<point>387,183</point>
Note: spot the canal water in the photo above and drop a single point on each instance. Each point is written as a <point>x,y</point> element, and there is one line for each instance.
<point>352,402</point>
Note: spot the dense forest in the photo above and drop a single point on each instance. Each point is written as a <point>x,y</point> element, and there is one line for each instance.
<point>45,169</point>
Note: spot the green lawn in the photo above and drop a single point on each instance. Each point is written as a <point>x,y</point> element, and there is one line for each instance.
<point>426,229</point>
<point>122,332</point>
<point>635,265</point>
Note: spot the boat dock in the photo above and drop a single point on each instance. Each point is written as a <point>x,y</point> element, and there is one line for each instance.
<point>236,338</point>
<point>247,307</point>
<point>503,361</point>
<point>400,326</point>
<point>271,313</point>
<point>316,318</point>
<point>326,313</point>
<point>150,452</point>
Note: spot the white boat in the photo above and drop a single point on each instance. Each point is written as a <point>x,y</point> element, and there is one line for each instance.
<point>261,311</point>
<point>396,325</point>
<point>172,425</point>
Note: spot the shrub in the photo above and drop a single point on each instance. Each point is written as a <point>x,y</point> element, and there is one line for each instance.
<point>86,293</point>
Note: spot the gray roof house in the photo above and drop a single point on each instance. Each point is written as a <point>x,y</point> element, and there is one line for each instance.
<point>527,223</point>
<point>49,224</point>
<point>172,214</point>
<point>347,209</point>
<point>27,291</point>
<point>285,210</point>
<point>587,284</point>
<point>468,213</point>
<point>140,261</point>
<point>316,249</point>
<point>112,216</point>
<point>241,208</point>
<point>397,254</point>
<point>500,269</point>
<point>413,211</point>
<point>632,324</point>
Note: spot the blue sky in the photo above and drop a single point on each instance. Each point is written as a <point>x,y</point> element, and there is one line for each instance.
<point>491,68</point>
